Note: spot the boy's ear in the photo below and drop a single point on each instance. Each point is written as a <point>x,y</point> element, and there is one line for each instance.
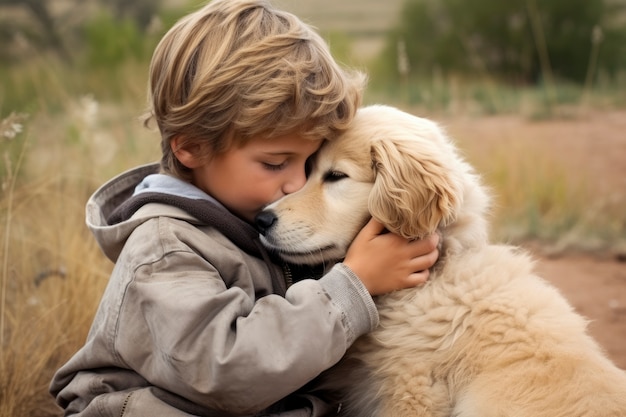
<point>184,152</point>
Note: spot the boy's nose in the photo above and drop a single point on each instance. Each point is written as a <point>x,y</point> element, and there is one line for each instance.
<point>295,182</point>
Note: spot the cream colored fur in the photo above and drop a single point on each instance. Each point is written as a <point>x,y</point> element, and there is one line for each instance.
<point>485,337</point>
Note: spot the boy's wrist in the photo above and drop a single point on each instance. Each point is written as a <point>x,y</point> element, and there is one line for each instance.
<point>348,293</point>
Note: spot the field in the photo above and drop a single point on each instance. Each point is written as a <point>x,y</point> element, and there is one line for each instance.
<point>559,180</point>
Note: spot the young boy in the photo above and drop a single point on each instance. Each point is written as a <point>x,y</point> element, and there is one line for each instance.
<point>198,319</point>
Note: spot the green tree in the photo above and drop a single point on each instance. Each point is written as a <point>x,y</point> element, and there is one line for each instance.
<point>515,40</point>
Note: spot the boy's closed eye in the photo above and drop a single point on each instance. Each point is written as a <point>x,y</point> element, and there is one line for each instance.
<point>274,167</point>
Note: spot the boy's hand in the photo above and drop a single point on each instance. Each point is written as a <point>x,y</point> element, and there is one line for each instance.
<point>387,262</point>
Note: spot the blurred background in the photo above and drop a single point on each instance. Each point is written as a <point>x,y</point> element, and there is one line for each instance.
<point>532,91</point>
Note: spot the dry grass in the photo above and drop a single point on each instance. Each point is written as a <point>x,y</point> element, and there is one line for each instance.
<point>535,196</point>
<point>52,278</point>
<point>558,181</point>
<point>53,272</point>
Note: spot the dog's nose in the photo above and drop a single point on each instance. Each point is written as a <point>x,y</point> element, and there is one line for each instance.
<point>264,220</point>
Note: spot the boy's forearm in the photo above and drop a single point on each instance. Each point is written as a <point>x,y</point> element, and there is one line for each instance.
<point>351,297</point>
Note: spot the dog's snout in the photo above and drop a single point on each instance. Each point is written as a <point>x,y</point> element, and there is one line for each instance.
<point>264,220</point>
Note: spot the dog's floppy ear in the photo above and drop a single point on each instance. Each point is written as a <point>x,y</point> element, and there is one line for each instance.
<point>415,188</point>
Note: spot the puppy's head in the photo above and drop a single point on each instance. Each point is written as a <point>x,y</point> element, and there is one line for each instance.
<point>393,166</point>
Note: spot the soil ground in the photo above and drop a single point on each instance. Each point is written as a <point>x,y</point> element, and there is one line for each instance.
<point>597,289</point>
<point>595,144</point>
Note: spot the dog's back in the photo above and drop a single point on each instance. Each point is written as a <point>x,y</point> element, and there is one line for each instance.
<point>484,338</point>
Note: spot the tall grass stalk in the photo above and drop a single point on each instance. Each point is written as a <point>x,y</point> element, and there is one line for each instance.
<point>596,40</point>
<point>8,131</point>
<point>542,50</point>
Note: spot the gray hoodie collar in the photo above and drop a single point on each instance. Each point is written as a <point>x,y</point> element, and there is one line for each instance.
<point>166,184</point>
<point>163,189</point>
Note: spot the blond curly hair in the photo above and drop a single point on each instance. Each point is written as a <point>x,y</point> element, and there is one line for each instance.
<point>237,69</point>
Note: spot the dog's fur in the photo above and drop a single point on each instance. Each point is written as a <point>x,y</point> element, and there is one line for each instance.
<point>485,337</point>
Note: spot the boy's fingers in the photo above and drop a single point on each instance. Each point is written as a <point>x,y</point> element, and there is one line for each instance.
<point>425,261</point>
<point>417,278</point>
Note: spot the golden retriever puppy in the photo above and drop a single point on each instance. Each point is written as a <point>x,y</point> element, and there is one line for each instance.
<point>485,337</point>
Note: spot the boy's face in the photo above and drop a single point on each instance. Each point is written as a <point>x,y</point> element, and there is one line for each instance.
<point>247,179</point>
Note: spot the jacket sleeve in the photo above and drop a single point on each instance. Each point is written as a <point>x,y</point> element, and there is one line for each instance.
<point>186,327</point>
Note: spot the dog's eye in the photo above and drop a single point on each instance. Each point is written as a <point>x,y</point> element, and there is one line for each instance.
<point>333,176</point>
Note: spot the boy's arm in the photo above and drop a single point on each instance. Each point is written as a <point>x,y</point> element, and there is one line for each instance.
<point>219,348</point>
<point>349,295</point>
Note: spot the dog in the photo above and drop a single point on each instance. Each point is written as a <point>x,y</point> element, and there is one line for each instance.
<point>485,336</point>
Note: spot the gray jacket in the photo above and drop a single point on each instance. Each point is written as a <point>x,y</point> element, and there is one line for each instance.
<point>197,319</point>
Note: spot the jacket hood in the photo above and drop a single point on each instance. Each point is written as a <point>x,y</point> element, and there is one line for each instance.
<point>140,194</point>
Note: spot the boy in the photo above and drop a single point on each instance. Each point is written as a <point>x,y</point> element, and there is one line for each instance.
<point>198,319</point>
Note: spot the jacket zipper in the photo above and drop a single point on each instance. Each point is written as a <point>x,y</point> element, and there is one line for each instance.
<point>288,275</point>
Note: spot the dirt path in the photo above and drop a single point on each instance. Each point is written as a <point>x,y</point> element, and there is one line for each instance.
<point>597,289</point>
